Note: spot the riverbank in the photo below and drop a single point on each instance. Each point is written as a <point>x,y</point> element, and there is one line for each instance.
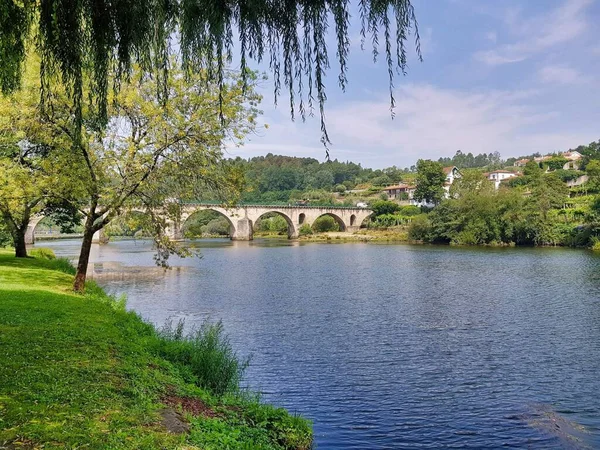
<point>398,234</point>
<point>81,371</point>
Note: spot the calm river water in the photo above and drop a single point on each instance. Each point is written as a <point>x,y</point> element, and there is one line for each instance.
<point>394,346</point>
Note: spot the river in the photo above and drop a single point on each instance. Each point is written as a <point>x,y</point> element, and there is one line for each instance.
<point>393,346</point>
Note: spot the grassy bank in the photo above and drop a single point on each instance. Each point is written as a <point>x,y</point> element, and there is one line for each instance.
<point>395,234</point>
<point>81,372</point>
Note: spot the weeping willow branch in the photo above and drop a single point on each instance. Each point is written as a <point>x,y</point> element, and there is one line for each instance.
<point>85,43</point>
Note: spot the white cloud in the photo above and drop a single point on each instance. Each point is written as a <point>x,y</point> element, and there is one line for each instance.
<point>539,33</point>
<point>430,122</point>
<point>559,74</point>
<point>492,36</point>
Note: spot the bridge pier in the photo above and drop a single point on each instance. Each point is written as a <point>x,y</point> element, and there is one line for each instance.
<point>100,237</point>
<point>174,231</point>
<point>29,236</point>
<point>243,230</point>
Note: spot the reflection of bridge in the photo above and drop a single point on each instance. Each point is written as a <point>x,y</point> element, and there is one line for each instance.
<point>242,218</point>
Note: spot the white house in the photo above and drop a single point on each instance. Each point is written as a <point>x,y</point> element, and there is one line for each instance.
<point>573,160</point>
<point>497,176</point>
<point>521,162</point>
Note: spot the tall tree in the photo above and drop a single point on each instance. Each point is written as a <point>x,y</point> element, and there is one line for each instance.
<point>154,154</point>
<point>85,39</point>
<point>430,181</point>
<point>25,141</point>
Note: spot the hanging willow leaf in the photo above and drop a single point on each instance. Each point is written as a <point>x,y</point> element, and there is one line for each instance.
<point>86,43</point>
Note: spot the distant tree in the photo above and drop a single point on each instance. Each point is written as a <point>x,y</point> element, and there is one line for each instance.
<point>430,181</point>
<point>152,155</point>
<point>382,207</point>
<point>470,181</point>
<point>593,171</point>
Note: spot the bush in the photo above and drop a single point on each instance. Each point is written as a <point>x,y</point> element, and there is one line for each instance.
<point>382,207</point>
<point>324,224</point>
<point>5,237</point>
<point>203,356</point>
<point>305,229</point>
<point>419,228</point>
<point>410,210</point>
<point>42,253</point>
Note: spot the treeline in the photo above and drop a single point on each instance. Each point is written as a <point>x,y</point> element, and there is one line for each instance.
<point>276,178</point>
<point>590,152</point>
<point>537,211</point>
<point>470,161</point>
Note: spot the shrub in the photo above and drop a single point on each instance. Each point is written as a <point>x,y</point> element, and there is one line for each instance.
<point>5,237</point>
<point>63,265</point>
<point>204,356</point>
<point>305,229</point>
<point>410,210</point>
<point>42,253</point>
<point>419,228</point>
<point>382,207</point>
<point>324,224</point>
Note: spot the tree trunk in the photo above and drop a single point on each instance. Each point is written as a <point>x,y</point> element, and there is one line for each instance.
<point>19,243</point>
<point>84,258</point>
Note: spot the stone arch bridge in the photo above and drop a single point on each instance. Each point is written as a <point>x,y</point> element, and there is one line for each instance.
<point>242,218</point>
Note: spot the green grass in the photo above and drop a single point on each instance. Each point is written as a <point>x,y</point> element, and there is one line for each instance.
<point>81,372</point>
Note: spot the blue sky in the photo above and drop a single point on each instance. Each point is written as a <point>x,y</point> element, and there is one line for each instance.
<point>514,76</point>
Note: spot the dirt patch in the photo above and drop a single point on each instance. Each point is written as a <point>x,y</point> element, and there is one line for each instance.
<point>192,405</point>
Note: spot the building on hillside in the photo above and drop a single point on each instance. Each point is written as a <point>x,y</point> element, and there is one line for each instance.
<point>521,162</point>
<point>400,191</point>
<point>539,159</point>
<point>573,160</point>
<point>572,156</point>
<point>497,176</point>
<point>452,173</point>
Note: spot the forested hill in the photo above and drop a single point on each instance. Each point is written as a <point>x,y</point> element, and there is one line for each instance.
<point>277,178</point>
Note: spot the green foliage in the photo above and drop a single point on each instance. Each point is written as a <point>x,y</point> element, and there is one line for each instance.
<point>43,253</point>
<point>272,223</point>
<point>567,175</point>
<point>5,237</point>
<point>467,160</point>
<point>382,207</point>
<point>388,220</point>
<point>119,33</point>
<point>92,376</point>
<point>420,228</point>
<point>593,171</point>
<point>204,356</point>
<point>325,223</point>
<point>340,188</point>
<point>556,162</point>
<point>430,181</point>
<point>482,216</point>
<point>305,230</point>
<point>409,211</point>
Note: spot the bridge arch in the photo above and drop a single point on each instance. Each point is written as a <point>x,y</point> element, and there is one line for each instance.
<point>292,230</point>
<point>342,225</point>
<point>179,232</point>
